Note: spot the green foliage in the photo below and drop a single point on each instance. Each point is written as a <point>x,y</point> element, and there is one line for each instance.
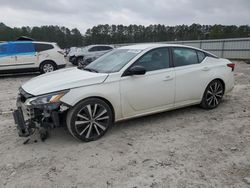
<point>63,36</point>
<point>104,34</point>
<point>113,34</point>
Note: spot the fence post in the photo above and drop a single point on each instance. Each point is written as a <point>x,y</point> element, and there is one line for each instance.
<point>223,48</point>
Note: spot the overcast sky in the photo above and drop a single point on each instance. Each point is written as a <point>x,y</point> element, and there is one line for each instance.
<point>84,14</point>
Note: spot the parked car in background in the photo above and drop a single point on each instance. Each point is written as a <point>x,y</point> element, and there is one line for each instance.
<point>125,83</point>
<point>84,56</point>
<point>26,56</point>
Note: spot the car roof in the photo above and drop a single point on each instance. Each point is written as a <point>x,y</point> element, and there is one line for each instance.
<point>147,46</point>
<point>23,41</point>
<point>99,45</point>
<point>152,45</point>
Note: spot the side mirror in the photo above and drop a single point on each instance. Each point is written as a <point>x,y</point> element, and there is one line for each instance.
<point>136,70</point>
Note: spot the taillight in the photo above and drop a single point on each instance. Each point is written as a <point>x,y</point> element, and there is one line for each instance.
<point>231,65</point>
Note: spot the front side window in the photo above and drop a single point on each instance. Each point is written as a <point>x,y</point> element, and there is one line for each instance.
<point>113,61</point>
<point>21,48</point>
<point>184,56</point>
<point>155,59</point>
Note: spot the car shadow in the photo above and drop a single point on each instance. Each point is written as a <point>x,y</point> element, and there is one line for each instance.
<point>17,75</point>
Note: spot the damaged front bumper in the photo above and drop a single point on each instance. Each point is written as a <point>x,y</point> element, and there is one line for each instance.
<point>30,117</point>
<point>24,128</point>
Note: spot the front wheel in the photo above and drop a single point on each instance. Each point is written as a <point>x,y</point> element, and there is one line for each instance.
<point>212,95</point>
<point>90,119</point>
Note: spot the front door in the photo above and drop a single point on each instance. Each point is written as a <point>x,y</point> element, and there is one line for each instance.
<point>7,59</point>
<point>150,92</point>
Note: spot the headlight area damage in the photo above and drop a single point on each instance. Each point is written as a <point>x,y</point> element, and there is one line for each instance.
<point>39,113</point>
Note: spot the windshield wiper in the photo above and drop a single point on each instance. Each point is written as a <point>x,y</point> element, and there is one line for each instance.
<point>90,70</point>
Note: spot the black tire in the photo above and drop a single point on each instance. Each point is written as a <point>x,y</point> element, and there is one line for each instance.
<point>212,95</point>
<point>86,127</point>
<point>47,66</point>
<point>79,61</point>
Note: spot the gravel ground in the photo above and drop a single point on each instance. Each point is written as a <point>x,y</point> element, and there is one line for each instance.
<point>189,147</point>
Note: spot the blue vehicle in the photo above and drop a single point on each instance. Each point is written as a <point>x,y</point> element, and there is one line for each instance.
<point>26,56</point>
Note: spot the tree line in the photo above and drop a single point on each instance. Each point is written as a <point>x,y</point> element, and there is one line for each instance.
<point>113,34</point>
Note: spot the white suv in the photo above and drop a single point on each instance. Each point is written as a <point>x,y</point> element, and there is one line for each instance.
<point>88,54</point>
<point>26,56</point>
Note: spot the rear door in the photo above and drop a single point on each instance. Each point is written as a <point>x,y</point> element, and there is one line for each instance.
<point>25,54</point>
<point>192,74</point>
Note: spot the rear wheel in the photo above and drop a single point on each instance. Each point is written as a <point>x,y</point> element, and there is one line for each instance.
<point>213,95</point>
<point>90,119</point>
<point>47,66</point>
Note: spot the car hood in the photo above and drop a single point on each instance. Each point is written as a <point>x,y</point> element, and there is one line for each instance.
<point>61,80</point>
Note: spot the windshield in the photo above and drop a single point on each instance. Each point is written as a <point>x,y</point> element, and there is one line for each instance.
<point>112,61</point>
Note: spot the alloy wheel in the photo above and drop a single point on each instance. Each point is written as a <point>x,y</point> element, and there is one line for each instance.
<point>214,94</point>
<point>92,121</point>
<point>48,68</point>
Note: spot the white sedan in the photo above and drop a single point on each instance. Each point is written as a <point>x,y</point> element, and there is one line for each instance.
<point>125,83</point>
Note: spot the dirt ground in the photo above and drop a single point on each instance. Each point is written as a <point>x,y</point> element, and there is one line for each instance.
<point>189,147</point>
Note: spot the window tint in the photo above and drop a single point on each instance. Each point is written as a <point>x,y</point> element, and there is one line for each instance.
<point>94,49</point>
<point>155,59</point>
<point>39,47</point>
<point>201,56</point>
<point>184,56</point>
<point>19,48</point>
<point>104,48</point>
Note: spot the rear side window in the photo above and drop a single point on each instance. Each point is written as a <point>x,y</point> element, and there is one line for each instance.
<point>184,56</point>
<point>39,47</point>
<point>94,49</point>
<point>201,56</point>
<point>21,48</point>
<point>104,48</point>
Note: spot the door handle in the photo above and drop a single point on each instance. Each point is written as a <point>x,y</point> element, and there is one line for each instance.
<point>205,69</point>
<point>167,78</point>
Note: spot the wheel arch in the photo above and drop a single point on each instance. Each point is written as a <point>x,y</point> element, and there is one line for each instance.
<point>103,99</point>
<point>47,60</point>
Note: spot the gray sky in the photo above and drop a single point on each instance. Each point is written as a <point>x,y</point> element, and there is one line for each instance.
<point>84,14</point>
